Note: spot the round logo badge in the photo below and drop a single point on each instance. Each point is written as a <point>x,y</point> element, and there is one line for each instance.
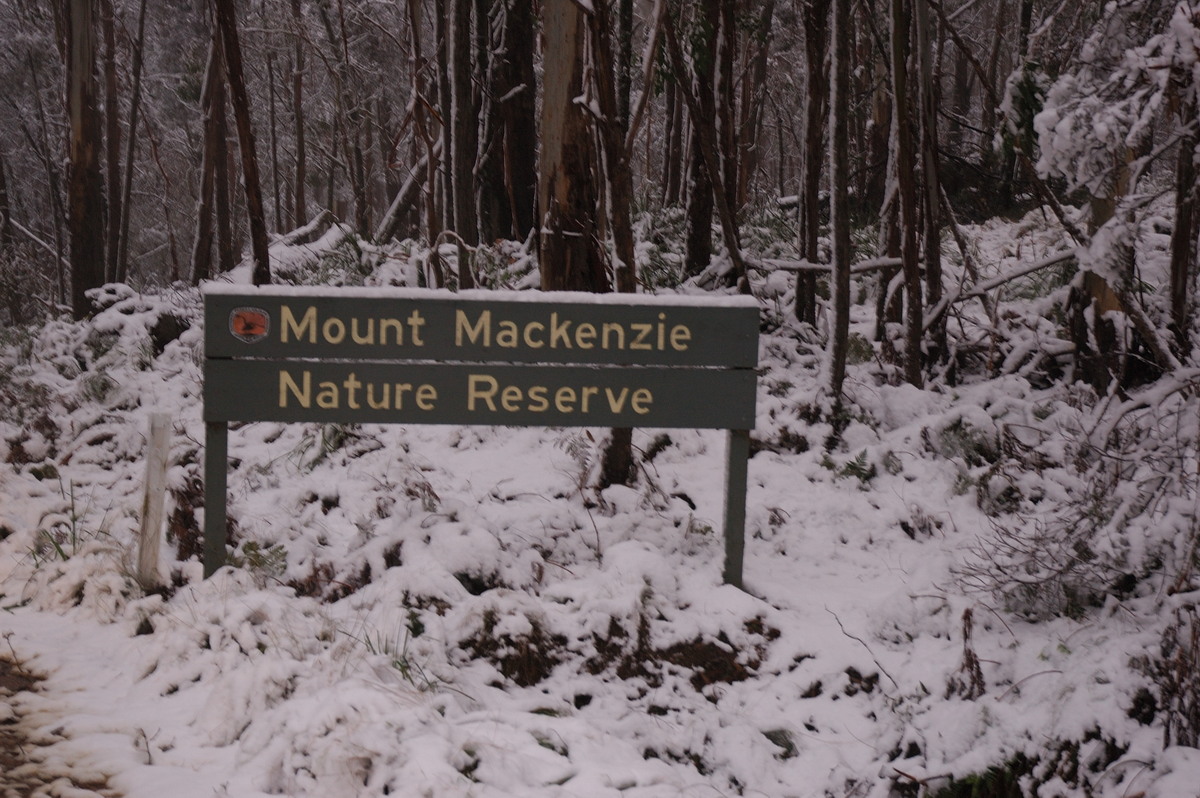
<point>249,325</point>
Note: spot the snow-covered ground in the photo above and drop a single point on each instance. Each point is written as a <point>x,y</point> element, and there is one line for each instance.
<point>446,611</point>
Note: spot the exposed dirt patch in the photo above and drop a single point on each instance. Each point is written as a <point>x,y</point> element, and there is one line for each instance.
<point>20,774</point>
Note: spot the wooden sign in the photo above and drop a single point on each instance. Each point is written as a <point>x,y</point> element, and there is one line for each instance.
<point>279,353</point>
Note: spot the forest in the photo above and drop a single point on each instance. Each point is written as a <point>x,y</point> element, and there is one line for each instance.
<point>973,521</point>
<point>154,143</point>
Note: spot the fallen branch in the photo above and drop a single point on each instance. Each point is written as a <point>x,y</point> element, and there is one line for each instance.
<point>797,266</point>
<point>987,286</point>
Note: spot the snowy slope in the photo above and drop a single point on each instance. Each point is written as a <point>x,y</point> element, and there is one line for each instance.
<point>438,611</point>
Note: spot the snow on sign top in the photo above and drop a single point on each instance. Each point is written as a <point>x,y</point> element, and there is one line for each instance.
<point>480,326</point>
<point>545,297</point>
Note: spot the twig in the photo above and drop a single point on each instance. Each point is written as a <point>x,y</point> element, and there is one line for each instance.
<point>860,641</point>
<point>1017,684</point>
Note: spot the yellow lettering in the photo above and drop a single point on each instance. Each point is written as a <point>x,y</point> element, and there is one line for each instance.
<point>643,332</point>
<point>401,389</point>
<point>333,330</point>
<point>395,326</point>
<point>662,330</point>
<point>539,401</point>
<point>640,401</point>
<point>307,322</point>
<point>510,398</point>
<point>507,335</point>
<point>286,384</point>
<point>564,399</point>
<point>680,336</point>
<point>588,392</point>
<point>352,384</point>
<point>613,327</point>
<point>481,330</point>
<point>381,404</point>
<point>426,396</point>
<point>327,396</point>
<point>559,332</point>
<point>616,401</point>
<point>359,338</point>
<point>415,322</point>
<point>476,391</point>
<point>530,341</point>
<point>585,335</point>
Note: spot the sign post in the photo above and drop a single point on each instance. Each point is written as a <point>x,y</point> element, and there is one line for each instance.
<point>401,356</point>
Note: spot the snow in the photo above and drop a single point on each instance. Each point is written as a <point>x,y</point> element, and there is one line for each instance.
<point>539,297</point>
<point>451,611</point>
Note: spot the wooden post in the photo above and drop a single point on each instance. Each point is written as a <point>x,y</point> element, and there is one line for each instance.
<point>736,468</point>
<point>216,446</point>
<point>157,451</point>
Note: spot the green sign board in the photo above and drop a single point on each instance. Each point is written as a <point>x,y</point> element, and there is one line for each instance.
<point>279,353</point>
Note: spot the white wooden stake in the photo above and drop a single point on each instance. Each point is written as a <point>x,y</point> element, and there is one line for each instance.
<point>157,450</point>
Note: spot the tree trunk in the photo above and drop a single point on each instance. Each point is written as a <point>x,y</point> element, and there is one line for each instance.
<point>465,140</point>
<point>901,23</point>
<point>1183,237</point>
<point>754,93</point>
<point>210,93</point>
<point>698,244</point>
<point>725,96</point>
<point>816,104</point>
<point>931,192</point>
<point>672,167</point>
<point>300,213</point>
<point>227,24</point>
<point>7,238</point>
<point>112,142</point>
<point>520,116</point>
<point>85,193</point>
<point>273,130</point>
<point>706,137</point>
<point>839,172</point>
<point>617,466</point>
<point>135,102</point>
<point>570,256</point>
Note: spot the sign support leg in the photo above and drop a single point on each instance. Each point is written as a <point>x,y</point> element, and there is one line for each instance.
<point>737,459</point>
<point>216,463</point>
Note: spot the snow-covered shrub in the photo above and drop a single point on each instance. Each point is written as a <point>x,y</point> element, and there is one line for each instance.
<point>1176,673</point>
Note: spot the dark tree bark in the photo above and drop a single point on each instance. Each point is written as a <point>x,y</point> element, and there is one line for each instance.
<point>754,94</point>
<point>441,60</point>
<point>273,130</point>
<point>7,237</point>
<point>617,466</point>
<point>673,157</point>
<point>211,93</point>
<point>707,138</point>
<point>85,193</point>
<point>1183,238</point>
<point>465,139</point>
<point>570,256</point>
<point>839,171</point>
<point>135,105</point>
<point>906,178</point>
<point>727,133</point>
<point>698,242</point>
<point>112,143</point>
<point>300,214</point>
<point>227,25</point>
<point>815,15</point>
<point>930,173</point>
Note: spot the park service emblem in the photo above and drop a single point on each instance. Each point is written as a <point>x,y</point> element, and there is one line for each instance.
<point>249,324</point>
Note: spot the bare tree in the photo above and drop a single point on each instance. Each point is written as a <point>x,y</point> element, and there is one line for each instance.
<point>839,170</point>
<point>570,255</point>
<point>85,204</point>
<point>227,25</point>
